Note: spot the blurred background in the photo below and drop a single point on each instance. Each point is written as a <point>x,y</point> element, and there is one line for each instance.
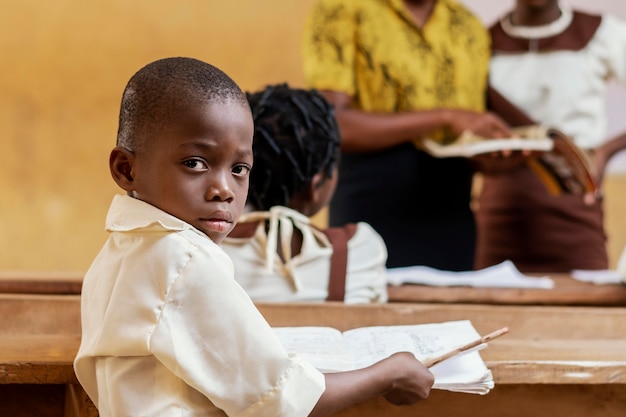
<point>64,66</point>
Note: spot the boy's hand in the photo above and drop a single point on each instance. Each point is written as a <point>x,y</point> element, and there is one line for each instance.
<point>400,379</point>
<point>413,382</point>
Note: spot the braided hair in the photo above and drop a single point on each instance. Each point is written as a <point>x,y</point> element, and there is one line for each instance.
<point>295,137</point>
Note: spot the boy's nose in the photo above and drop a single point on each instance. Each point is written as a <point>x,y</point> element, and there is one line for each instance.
<point>219,189</point>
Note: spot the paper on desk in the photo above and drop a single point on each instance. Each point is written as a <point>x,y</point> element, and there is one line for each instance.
<point>502,275</point>
<point>600,276</point>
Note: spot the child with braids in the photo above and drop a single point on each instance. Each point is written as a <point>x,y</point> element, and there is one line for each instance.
<point>166,330</point>
<point>279,255</point>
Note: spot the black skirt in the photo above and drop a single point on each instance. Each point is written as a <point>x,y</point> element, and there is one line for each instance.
<point>419,204</point>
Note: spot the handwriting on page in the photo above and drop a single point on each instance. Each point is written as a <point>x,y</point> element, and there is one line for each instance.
<point>372,347</point>
<point>329,350</point>
<point>369,345</point>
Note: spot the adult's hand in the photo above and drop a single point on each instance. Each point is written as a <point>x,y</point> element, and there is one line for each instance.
<point>487,125</point>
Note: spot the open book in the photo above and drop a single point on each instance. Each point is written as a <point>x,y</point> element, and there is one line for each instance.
<point>560,165</point>
<point>564,169</point>
<point>532,138</point>
<point>330,350</point>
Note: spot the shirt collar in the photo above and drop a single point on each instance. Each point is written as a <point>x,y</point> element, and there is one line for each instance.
<point>403,11</point>
<point>127,214</point>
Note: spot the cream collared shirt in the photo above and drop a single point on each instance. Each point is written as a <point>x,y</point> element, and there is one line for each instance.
<point>304,277</point>
<point>567,90</point>
<point>166,330</point>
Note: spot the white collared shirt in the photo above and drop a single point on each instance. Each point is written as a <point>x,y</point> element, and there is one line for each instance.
<point>166,330</point>
<point>304,277</point>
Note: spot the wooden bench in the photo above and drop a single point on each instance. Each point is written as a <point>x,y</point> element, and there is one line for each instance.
<point>40,282</point>
<point>556,361</point>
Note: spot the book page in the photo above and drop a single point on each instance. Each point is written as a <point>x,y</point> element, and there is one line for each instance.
<point>463,373</point>
<point>533,137</point>
<point>322,347</point>
<point>368,345</point>
<point>486,146</point>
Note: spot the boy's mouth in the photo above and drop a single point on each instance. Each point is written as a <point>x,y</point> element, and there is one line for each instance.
<point>216,225</point>
<point>220,221</point>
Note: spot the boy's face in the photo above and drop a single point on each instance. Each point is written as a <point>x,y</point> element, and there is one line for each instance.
<point>198,169</point>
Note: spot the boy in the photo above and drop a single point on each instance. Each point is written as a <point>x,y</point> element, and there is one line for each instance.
<point>278,255</point>
<point>166,331</point>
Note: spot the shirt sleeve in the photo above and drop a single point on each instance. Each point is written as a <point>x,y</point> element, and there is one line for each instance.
<point>211,335</point>
<point>329,46</point>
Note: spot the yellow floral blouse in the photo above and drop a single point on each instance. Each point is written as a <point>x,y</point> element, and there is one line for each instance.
<point>373,51</point>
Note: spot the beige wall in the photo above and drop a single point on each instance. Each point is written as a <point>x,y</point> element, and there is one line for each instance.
<point>64,65</point>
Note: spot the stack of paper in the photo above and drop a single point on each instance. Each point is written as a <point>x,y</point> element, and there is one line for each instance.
<point>503,275</point>
<point>604,276</point>
<point>600,276</point>
<point>330,350</point>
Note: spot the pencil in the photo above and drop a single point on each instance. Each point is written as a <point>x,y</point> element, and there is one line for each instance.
<point>484,339</point>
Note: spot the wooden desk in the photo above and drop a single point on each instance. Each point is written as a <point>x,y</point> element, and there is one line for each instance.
<point>39,338</point>
<point>556,361</point>
<point>566,291</point>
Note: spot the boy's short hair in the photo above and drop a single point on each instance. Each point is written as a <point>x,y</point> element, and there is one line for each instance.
<point>157,94</point>
<point>295,137</point>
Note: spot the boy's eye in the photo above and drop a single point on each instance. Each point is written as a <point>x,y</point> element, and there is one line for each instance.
<point>241,170</point>
<point>196,164</point>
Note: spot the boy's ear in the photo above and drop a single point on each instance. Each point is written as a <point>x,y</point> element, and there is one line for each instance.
<point>121,163</point>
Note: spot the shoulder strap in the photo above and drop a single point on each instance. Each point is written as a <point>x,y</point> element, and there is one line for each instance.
<point>338,237</point>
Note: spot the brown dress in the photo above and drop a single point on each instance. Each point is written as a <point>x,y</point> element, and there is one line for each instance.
<point>517,218</point>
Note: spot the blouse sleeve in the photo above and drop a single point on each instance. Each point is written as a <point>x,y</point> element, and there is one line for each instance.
<point>211,335</point>
<point>615,39</point>
<point>329,46</point>
<point>366,279</point>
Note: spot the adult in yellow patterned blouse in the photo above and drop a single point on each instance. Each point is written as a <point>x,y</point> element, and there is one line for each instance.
<point>397,72</point>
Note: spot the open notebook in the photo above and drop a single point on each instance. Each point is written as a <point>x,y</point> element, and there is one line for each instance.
<point>330,350</point>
